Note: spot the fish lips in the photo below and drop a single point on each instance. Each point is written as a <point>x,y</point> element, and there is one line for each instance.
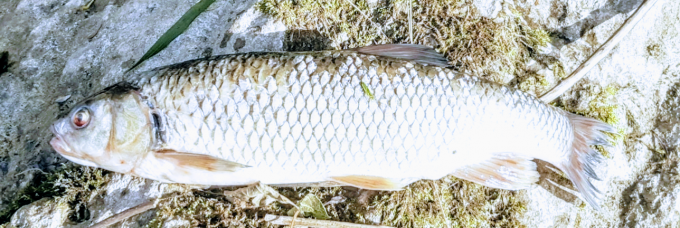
<point>59,145</point>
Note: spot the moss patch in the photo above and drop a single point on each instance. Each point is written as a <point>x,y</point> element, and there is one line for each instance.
<point>42,186</point>
<point>443,203</point>
<point>79,185</point>
<point>210,209</point>
<point>72,185</point>
<point>195,210</point>
<point>449,203</point>
<point>600,104</point>
<point>497,49</point>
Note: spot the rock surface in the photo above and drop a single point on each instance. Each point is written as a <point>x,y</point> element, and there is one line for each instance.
<point>57,49</point>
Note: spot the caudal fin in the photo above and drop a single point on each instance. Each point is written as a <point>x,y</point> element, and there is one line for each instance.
<point>580,163</point>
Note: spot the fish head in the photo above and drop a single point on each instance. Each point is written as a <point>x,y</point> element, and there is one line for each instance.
<point>110,131</point>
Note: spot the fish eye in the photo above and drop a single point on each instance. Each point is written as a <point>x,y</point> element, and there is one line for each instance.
<point>81,118</point>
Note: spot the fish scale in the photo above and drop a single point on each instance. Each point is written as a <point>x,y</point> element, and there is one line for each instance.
<point>377,117</point>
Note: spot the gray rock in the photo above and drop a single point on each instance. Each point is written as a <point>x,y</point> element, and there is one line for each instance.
<point>34,214</point>
<point>119,194</point>
<point>653,200</point>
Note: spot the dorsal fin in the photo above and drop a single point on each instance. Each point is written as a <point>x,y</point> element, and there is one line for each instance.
<point>505,171</point>
<point>411,52</point>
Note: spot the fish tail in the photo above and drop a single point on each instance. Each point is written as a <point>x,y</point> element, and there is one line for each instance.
<point>580,162</point>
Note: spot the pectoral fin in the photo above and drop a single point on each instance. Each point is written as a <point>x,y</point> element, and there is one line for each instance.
<point>198,161</point>
<point>505,171</point>
<point>189,168</point>
<point>369,182</point>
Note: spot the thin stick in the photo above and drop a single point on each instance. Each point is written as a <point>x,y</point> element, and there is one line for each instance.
<point>286,220</point>
<point>410,21</point>
<point>599,54</point>
<point>292,222</point>
<point>125,214</point>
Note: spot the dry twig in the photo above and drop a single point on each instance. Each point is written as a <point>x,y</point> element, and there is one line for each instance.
<point>286,220</point>
<point>599,54</point>
<point>126,214</point>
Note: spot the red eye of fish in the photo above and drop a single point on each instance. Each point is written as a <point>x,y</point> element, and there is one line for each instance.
<point>81,118</point>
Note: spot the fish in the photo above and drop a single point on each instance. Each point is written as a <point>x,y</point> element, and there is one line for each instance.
<point>377,117</point>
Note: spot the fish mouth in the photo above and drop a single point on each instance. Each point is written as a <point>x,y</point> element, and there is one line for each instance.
<point>59,144</point>
<point>65,150</point>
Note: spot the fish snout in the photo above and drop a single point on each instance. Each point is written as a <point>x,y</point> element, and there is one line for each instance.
<point>57,142</point>
<point>59,145</point>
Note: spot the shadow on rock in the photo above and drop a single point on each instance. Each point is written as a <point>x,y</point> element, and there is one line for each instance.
<point>547,175</point>
<point>305,40</point>
<point>653,197</point>
<point>575,31</point>
<point>4,62</point>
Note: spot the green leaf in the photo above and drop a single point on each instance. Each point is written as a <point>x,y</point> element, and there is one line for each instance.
<point>178,28</point>
<point>367,91</point>
<point>311,205</point>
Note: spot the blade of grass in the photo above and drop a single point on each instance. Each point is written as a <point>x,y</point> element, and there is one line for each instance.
<point>178,28</point>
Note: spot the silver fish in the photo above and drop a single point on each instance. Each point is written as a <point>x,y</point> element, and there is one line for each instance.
<point>377,117</point>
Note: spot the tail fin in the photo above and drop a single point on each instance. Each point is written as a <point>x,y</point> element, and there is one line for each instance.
<point>580,163</point>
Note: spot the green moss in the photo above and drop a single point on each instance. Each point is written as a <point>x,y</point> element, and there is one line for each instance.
<point>448,203</point>
<point>602,105</point>
<point>30,194</point>
<point>443,203</point>
<point>534,84</point>
<point>78,186</point>
<point>201,211</point>
<point>73,185</point>
<point>559,70</point>
<point>42,186</point>
<point>537,37</point>
<point>604,108</point>
<point>210,209</point>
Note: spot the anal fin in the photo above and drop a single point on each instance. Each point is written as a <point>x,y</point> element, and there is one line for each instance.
<point>369,182</point>
<point>503,170</point>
